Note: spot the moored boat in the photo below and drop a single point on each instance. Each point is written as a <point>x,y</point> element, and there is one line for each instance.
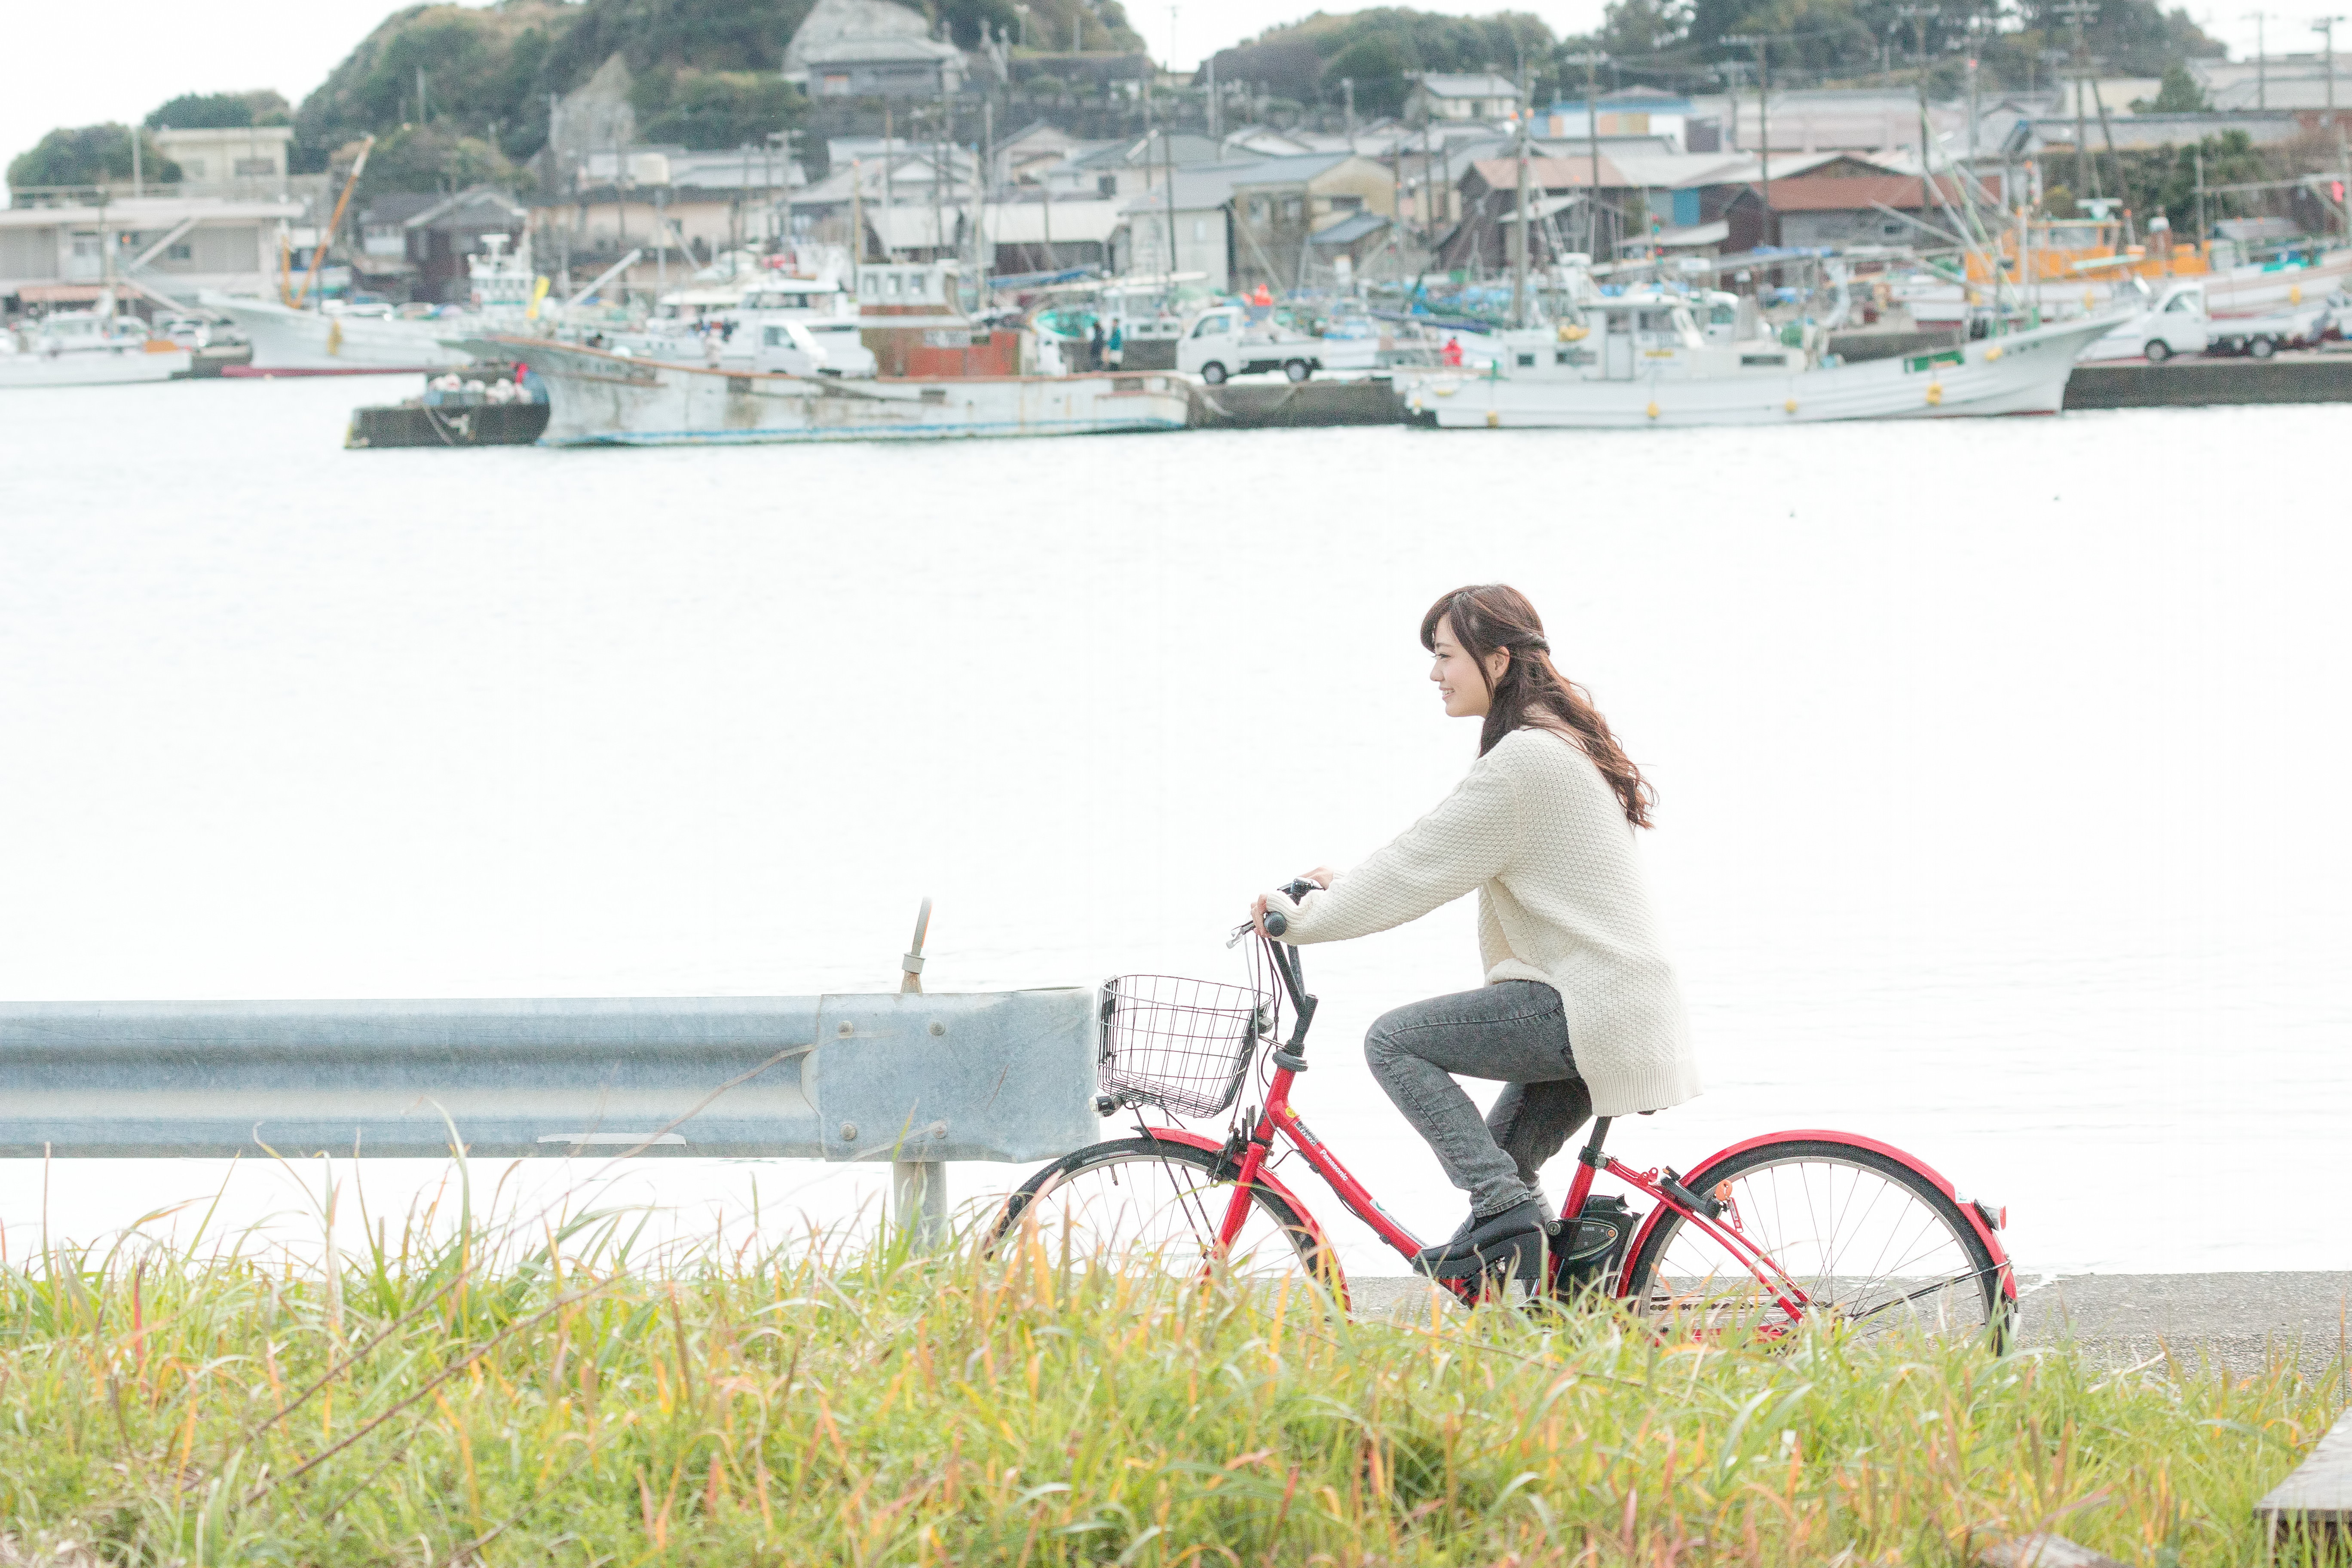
<point>603,399</point>
<point>87,348</point>
<point>1642,361</point>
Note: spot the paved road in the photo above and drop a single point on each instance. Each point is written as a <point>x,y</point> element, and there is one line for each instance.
<point>2238,1321</point>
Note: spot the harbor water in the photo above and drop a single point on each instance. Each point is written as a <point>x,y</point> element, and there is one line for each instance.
<point>2000,763</point>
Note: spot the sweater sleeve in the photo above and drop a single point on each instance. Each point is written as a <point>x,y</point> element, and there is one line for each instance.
<point>1468,839</point>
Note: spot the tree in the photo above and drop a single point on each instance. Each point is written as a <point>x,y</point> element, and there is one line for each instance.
<point>88,155</point>
<point>222,110</point>
<point>706,109</point>
<point>426,158</point>
<point>2177,93</point>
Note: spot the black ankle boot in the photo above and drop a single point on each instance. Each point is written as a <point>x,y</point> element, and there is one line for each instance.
<point>1477,1235</point>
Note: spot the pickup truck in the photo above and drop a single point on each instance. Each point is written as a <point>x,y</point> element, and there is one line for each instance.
<point>2174,324</point>
<point>1221,341</point>
<point>2260,337</point>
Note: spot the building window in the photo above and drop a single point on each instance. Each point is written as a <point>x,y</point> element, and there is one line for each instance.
<point>180,252</point>
<point>255,168</point>
<point>1105,184</point>
<point>1293,209</point>
<point>1345,204</point>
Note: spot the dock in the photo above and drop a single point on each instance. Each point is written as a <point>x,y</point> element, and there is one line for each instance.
<point>1254,405</point>
<point>414,425</point>
<point>2185,383</point>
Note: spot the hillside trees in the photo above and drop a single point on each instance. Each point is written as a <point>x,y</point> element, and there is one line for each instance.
<point>87,155</point>
<point>1380,51</point>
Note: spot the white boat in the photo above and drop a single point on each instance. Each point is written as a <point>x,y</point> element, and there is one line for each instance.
<point>600,398</point>
<point>374,338</point>
<point>87,348</point>
<point>1640,362</point>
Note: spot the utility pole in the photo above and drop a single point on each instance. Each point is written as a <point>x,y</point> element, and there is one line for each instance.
<point>2325,29</point>
<point>1763,120</point>
<point>2262,60</point>
<point>1918,16</point>
<point>1972,109</point>
<point>2078,12</point>
<point>1214,132</point>
<point>1591,62</point>
<point>1520,228</point>
<point>1348,91</point>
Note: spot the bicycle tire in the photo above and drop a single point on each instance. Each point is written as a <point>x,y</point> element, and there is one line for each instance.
<point>1969,1300</point>
<point>1186,1170</point>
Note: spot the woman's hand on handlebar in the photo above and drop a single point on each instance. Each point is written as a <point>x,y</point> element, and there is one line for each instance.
<point>1322,877</point>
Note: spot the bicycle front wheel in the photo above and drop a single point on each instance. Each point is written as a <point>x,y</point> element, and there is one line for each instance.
<point>1875,1245</point>
<point>1156,1204</point>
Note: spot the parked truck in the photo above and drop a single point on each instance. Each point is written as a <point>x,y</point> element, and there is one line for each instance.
<point>1223,341</point>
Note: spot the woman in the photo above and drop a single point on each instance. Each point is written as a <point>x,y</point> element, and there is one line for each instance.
<point>1579,1012</point>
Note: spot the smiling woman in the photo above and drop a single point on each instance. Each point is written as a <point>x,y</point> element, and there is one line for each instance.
<point>1580,1010</point>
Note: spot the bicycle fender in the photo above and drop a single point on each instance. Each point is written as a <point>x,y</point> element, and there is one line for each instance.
<point>1266,1179</point>
<point>1936,1179</point>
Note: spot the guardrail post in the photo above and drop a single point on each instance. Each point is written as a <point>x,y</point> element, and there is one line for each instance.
<point>919,1200</point>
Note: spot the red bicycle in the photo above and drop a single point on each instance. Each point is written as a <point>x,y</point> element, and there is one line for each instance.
<point>1775,1232</point>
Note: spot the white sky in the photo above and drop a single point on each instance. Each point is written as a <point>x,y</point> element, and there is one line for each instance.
<point>249,43</point>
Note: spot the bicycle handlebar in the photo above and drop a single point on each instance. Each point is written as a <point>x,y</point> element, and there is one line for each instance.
<point>1276,923</point>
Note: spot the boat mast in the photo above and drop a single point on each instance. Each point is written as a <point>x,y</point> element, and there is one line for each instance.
<point>1520,230</point>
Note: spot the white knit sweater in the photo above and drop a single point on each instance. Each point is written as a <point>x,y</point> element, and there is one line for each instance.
<point>1537,830</point>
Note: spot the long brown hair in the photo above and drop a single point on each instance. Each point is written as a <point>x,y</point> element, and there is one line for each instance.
<point>1489,617</point>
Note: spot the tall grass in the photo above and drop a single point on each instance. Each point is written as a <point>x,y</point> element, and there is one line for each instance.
<point>456,1394</point>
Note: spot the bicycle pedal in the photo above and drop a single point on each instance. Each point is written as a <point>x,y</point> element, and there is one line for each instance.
<point>1519,1254</point>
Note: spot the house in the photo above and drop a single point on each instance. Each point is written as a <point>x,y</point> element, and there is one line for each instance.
<point>1047,235</point>
<point>245,161</point>
<point>1559,191</point>
<point>898,177</point>
<point>1630,112</point>
<point>870,48</point>
<point>1462,95</point>
<point>436,238</point>
<point>677,207</point>
<point>2294,82</point>
<point>172,244</point>
<point>1122,168</point>
<point>1846,202</point>
<point>1279,204</point>
<point>1825,120</point>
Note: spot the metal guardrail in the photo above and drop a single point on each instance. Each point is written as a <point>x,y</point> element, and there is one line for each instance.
<point>914,1079</point>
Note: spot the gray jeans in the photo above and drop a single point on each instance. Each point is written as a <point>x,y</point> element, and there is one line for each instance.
<point>1517,1032</point>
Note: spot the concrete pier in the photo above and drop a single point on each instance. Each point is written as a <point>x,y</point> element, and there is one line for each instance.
<point>1247,406</point>
<point>2320,377</point>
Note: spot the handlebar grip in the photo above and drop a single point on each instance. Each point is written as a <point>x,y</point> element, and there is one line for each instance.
<point>1275,924</point>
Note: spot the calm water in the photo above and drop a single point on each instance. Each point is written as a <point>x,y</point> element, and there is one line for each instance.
<point>2002,764</point>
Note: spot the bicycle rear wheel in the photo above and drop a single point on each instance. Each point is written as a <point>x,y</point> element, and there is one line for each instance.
<point>1153,1204</point>
<point>1875,1245</point>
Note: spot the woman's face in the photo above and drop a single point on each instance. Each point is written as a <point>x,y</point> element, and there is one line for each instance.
<point>1456,674</point>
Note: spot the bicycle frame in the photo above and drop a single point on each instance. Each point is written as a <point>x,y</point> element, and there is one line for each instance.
<point>1278,1121</point>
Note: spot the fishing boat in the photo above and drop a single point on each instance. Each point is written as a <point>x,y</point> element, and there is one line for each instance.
<point>1645,360</point>
<point>601,399</point>
<point>87,348</point>
<point>377,338</point>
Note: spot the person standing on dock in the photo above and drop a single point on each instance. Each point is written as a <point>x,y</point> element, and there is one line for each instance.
<point>1095,346</point>
<point>1117,345</point>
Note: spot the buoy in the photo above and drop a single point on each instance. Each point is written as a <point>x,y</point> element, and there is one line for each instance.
<point>1992,353</point>
<point>1654,411</point>
<point>1935,394</point>
<point>1493,420</point>
<point>1790,405</point>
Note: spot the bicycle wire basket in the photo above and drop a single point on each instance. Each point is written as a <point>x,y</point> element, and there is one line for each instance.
<point>1181,1045</point>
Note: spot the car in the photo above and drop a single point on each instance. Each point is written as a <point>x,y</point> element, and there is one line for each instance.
<point>1221,341</point>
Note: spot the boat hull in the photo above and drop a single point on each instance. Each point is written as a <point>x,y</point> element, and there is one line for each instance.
<point>286,339</point>
<point>93,367</point>
<point>600,399</point>
<point>2023,374</point>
